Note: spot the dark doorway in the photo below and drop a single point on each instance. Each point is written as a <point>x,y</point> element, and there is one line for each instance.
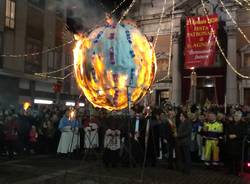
<point>204,94</point>
<point>247,96</point>
<point>162,97</point>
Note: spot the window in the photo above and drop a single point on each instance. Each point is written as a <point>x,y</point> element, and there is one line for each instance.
<point>54,60</point>
<point>247,60</point>
<point>33,63</point>
<point>38,3</point>
<point>59,9</point>
<point>67,82</point>
<point>163,64</point>
<point>162,96</point>
<point>10,13</point>
<point>50,61</point>
<point>247,96</point>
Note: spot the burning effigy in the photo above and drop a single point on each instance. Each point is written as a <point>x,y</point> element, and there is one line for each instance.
<point>114,65</point>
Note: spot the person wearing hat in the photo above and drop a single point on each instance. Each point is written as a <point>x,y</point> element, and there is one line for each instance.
<point>212,130</point>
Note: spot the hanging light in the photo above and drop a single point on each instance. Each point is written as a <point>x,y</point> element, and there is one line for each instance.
<point>70,104</point>
<point>41,101</point>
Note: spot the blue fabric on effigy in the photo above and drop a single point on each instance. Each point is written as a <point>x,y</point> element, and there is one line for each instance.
<point>118,39</point>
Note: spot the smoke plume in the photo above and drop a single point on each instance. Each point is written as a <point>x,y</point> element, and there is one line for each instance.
<point>81,14</point>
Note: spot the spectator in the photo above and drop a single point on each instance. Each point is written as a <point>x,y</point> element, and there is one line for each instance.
<point>11,129</point>
<point>151,138</point>
<point>33,136</point>
<point>235,132</point>
<point>184,142</point>
<point>69,140</point>
<point>212,133</point>
<point>162,134</point>
<point>112,144</point>
<point>25,125</point>
<point>170,135</point>
<point>194,143</point>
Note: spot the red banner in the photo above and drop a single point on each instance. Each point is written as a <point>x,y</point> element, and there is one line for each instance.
<point>200,43</point>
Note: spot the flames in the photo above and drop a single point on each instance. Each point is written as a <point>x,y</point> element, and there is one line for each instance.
<point>104,87</point>
<point>26,106</point>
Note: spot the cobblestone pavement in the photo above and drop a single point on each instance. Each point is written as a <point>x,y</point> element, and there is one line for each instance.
<point>49,170</point>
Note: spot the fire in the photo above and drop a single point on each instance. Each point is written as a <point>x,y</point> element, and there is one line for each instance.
<point>72,114</point>
<point>26,106</point>
<point>105,68</point>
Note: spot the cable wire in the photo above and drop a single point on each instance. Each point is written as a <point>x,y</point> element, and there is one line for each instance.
<point>219,46</point>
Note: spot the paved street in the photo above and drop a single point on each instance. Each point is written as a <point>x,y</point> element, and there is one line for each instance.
<point>49,170</point>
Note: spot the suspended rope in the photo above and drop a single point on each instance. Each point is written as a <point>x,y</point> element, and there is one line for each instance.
<point>127,11</point>
<point>234,22</point>
<point>242,5</point>
<point>219,46</point>
<point>36,53</point>
<point>112,12</point>
<point>247,2</point>
<point>55,71</point>
<point>171,39</point>
<point>148,122</point>
<point>65,31</point>
<point>170,46</point>
<point>238,2</point>
<point>160,22</point>
<point>47,74</point>
<point>54,77</point>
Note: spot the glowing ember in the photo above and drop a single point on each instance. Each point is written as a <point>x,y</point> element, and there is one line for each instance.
<point>109,60</point>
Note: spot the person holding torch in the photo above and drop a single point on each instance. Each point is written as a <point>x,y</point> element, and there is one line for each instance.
<point>69,127</point>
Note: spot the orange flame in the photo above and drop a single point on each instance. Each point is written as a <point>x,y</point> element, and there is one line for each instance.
<point>26,106</point>
<point>72,114</point>
<point>101,88</point>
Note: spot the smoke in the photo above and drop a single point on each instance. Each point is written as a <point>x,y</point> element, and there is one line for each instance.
<point>81,14</point>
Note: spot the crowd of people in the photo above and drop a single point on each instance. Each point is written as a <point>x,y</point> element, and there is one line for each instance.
<point>140,137</point>
<point>29,131</point>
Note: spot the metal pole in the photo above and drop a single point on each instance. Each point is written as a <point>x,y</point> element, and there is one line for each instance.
<point>193,80</point>
<point>129,121</point>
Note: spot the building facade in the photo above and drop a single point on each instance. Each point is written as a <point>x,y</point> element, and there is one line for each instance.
<point>31,26</point>
<point>26,27</point>
<point>218,83</point>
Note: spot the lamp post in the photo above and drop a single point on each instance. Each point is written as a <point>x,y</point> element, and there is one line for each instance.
<point>193,80</point>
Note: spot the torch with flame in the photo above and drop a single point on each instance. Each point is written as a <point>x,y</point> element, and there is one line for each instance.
<point>111,59</point>
<point>26,106</point>
<point>72,114</point>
